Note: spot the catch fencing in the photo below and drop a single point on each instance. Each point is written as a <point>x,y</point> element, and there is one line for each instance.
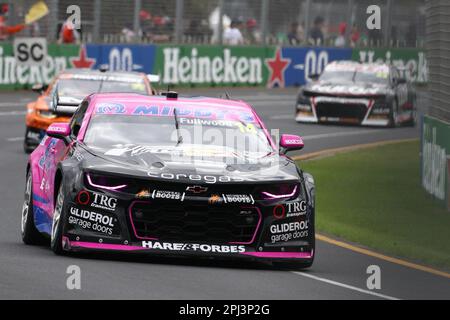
<point>262,22</point>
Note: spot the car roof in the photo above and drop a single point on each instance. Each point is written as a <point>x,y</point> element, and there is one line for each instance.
<point>355,64</point>
<point>198,101</point>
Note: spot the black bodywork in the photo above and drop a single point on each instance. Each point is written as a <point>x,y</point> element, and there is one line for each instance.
<point>362,103</point>
<point>174,207</point>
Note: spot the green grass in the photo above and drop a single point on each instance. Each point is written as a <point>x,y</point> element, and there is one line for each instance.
<point>374,197</point>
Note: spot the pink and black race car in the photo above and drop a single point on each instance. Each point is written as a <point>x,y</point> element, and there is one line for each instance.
<point>169,175</point>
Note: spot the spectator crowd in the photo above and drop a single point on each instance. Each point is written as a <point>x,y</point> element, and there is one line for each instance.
<point>160,28</point>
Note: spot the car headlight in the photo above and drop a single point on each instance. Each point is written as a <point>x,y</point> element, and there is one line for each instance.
<point>303,102</point>
<point>46,114</point>
<point>103,182</point>
<point>283,191</point>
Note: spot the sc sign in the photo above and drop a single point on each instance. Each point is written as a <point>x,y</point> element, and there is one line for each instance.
<point>30,51</point>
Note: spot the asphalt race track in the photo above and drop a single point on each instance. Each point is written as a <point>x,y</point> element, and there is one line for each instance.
<point>35,272</point>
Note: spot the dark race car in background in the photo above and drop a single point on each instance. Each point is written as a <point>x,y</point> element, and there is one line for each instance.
<point>59,100</point>
<point>173,176</point>
<point>357,93</point>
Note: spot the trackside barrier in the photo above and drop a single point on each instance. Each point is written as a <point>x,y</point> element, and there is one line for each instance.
<point>203,65</point>
<point>435,155</point>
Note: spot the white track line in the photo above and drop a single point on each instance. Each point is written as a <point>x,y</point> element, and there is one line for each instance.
<point>13,104</point>
<point>12,113</point>
<point>15,139</point>
<point>346,286</point>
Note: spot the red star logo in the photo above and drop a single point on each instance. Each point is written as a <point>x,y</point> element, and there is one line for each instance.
<point>277,66</point>
<point>82,61</point>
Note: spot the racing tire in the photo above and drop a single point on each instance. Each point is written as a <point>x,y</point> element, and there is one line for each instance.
<point>413,121</point>
<point>56,243</point>
<point>393,122</point>
<point>27,148</point>
<point>30,235</point>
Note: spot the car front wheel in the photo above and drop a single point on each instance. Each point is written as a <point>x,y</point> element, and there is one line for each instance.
<point>393,122</point>
<point>58,223</point>
<point>30,235</point>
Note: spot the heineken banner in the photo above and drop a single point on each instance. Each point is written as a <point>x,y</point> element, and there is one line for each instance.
<point>436,158</point>
<point>203,65</point>
<point>121,57</point>
<point>301,63</point>
<point>411,62</point>
<point>264,66</point>
<point>213,65</point>
<point>117,57</point>
<point>13,76</point>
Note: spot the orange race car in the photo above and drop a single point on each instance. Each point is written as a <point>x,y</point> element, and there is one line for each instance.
<point>59,100</point>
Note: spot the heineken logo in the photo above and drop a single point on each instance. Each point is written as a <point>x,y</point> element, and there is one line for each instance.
<point>412,62</point>
<point>13,74</point>
<point>197,68</point>
<point>82,61</point>
<point>277,66</point>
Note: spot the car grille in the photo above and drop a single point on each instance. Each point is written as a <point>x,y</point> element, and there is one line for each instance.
<point>196,223</point>
<point>340,110</point>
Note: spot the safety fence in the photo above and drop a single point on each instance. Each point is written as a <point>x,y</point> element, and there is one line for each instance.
<point>261,22</point>
<point>436,122</point>
<point>205,65</point>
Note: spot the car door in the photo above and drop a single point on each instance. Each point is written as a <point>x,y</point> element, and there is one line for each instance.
<point>56,150</point>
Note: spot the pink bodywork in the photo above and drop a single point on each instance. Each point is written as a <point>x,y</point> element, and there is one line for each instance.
<point>212,108</point>
<point>44,160</point>
<point>59,128</point>
<point>290,141</point>
<point>43,165</point>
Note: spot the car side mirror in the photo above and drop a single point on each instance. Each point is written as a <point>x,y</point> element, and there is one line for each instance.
<point>39,88</point>
<point>290,142</point>
<point>59,130</point>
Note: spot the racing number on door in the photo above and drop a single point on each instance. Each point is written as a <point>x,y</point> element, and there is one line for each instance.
<point>314,64</point>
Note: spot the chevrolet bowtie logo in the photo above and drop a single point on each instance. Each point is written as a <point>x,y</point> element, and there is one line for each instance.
<point>196,189</point>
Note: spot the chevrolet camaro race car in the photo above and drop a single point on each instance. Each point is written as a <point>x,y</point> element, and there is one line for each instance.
<point>169,175</point>
<point>68,89</point>
<point>357,93</point>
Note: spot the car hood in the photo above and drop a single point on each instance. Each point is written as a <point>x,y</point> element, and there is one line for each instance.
<point>345,88</point>
<point>181,163</point>
<point>42,103</point>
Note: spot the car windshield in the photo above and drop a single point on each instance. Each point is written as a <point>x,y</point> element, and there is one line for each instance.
<point>80,88</point>
<point>366,76</point>
<point>108,132</point>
